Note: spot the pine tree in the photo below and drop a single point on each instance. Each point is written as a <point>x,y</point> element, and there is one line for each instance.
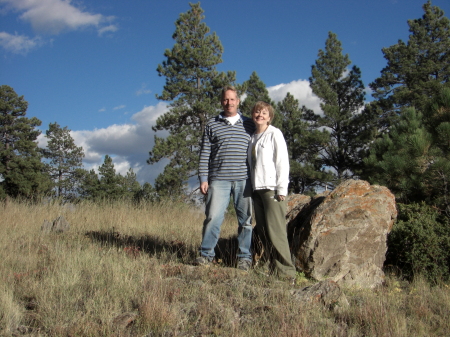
<point>21,169</point>
<point>89,187</point>
<point>341,93</point>
<point>437,122</point>
<point>413,159</point>
<point>415,70</point>
<point>193,87</point>
<point>110,185</point>
<point>65,158</point>
<point>110,182</point>
<point>400,158</point>
<point>304,143</point>
<point>130,185</point>
<point>255,90</point>
<point>146,194</point>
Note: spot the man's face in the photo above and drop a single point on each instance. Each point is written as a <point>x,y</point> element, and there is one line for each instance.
<point>230,103</point>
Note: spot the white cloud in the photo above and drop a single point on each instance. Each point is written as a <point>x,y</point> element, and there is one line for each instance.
<point>55,16</point>
<point>147,117</point>
<point>128,144</point>
<point>18,44</point>
<point>300,89</point>
<point>119,107</point>
<point>107,29</point>
<point>143,90</point>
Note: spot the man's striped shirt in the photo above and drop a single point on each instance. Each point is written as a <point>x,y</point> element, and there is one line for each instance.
<point>223,155</point>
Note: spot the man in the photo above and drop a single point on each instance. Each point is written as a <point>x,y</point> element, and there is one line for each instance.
<point>223,172</point>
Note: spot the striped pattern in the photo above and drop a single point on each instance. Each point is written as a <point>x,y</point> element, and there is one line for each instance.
<point>224,150</point>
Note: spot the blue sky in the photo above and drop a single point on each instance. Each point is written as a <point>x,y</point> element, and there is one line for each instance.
<point>90,65</point>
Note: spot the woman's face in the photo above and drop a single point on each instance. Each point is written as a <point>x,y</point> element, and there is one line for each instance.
<point>261,117</point>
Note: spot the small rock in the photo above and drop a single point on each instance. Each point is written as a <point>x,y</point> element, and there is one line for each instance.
<point>124,320</point>
<point>327,293</point>
<point>59,225</point>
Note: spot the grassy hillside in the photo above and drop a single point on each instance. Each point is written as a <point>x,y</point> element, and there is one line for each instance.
<point>126,271</point>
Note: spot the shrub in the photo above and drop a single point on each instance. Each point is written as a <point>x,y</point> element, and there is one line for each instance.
<point>420,242</point>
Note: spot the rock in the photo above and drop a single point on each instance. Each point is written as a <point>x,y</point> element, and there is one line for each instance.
<point>326,293</point>
<point>59,225</point>
<point>295,204</point>
<point>342,234</point>
<point>46,226</point>
<point>124,320</point>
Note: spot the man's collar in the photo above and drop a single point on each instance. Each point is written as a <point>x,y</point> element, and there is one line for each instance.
<point>221,116</point>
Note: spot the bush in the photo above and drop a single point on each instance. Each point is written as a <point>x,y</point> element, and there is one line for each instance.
<point>420,242</point>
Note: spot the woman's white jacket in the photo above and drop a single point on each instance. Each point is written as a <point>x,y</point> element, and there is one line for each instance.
<point>272,162</point>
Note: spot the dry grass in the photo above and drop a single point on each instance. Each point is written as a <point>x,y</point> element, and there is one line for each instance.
<point>126,271</point>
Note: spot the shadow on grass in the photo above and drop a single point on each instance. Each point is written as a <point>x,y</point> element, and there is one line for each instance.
<point>151,245</point>
<point>226,250</point>
<point>154,246</point>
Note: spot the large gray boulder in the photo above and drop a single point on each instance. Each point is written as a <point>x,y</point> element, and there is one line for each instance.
<point>341,235</point>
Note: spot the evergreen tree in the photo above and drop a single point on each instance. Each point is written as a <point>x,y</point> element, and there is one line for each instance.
<point>413,159</point>
<point>106,185</point>
<point>130,185</point>
<point>304,143</point>
<point>65,158</point>
<point>415,70</point>
<point>21,169</point>
<point>437,122</point>
<point>109,185</point>
<point>341,92</point>
<point>145,194</point>
<point>255,90</point>
<point>400,158</point>
<point>110,182</point>
<point>89,187</point>
<point>193,87</point>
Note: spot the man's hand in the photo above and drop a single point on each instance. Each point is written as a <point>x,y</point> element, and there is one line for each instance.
<point>204,188</point>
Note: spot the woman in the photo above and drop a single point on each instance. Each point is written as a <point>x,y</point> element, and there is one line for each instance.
<point>269,162</point>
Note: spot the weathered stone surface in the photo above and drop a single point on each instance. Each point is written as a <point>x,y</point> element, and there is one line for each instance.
<point>46,226</point>
<point>295,203</point>
<point>124,320</point>
<point>326,293</point>
<point>342,235</point>
<point>59,225</point>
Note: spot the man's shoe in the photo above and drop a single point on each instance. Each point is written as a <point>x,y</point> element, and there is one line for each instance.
<point>202,261</point>
<point>244,265</point>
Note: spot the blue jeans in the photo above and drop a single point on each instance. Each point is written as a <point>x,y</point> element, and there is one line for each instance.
<point>216,204</point>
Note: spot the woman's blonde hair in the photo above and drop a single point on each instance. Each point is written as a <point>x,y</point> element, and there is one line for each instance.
<point>260,105</point>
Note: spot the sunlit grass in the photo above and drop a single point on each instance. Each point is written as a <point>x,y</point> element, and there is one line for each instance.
<point>123,270</point>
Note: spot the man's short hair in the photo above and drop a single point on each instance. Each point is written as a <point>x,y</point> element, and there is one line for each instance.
<point>260,105</point>
<point>229,88</point>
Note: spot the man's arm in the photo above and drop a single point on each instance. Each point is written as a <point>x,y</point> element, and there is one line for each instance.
<point>203,170</point>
